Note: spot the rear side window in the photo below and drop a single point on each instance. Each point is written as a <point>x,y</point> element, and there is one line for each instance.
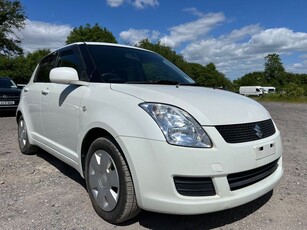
<point>46,65</point>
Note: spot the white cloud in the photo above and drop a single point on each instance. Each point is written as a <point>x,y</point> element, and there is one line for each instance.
<point>115,3</point>
<point>278,40</point>
<point>40,35</point>
<point>194,11</point>
<point>236,53</point>
<point>141,4</point>
<point>138,4</point>
<point>299,67</point>
<point>239,52</point>
<point>133,36</point>
<point>192,30</point>
<point>243,33</point>
<point>235,57</point>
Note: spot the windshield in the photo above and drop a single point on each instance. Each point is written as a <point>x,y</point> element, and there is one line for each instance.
<point>7,83</point>
<point>126,65</point>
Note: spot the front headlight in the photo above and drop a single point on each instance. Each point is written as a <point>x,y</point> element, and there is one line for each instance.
<point>178,127</point>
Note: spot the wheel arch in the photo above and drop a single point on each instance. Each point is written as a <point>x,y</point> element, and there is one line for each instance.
<point>90,137</point>
<point>18,115</point>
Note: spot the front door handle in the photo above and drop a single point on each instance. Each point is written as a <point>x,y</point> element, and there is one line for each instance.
<point>45,91</point>
<point>25,89</point>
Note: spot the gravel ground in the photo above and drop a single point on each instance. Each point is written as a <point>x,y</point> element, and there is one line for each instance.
<point>41,192</point>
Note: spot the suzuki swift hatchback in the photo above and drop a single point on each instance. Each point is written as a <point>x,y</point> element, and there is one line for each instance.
<point>144,136</point>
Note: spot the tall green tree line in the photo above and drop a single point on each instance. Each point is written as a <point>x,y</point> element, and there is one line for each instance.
<point>20,67</point>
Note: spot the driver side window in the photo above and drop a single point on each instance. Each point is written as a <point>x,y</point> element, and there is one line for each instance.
<point>69,58</point>
<point>45,66</point>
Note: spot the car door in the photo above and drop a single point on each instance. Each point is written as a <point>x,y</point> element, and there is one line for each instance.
<point>32,93</point>
<point>61,108</point>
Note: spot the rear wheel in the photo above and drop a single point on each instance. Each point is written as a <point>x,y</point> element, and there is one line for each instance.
<point>109,182</point>
<point>23,140</point>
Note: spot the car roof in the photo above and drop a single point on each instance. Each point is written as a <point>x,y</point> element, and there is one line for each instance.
<point>104,44</point>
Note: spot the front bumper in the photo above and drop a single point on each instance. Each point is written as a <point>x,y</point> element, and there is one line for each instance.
<point>154,164</point>
<point>9,104</point>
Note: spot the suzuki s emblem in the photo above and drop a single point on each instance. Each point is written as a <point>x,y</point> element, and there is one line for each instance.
<point>258,131</point>
<point>4,96</point>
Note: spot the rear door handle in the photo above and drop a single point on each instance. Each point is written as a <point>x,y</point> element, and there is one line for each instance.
<point>45,91</point>
<point>26,89</point>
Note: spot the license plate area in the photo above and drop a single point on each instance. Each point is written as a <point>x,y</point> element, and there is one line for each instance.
<point>265,150</point>
<point>7,102</point>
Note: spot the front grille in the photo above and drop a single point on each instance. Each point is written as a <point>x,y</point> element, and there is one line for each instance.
<point>239,133</point>
<point>6,96</point>
<point>244,179</point>
<point>194,186</point>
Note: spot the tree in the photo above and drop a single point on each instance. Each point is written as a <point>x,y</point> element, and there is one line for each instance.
<point>90,34</point>
<point>11,19</point>
<point>251,79</point>
<point>274,70</point>
<point>20,68</point>
<point>208,76</point>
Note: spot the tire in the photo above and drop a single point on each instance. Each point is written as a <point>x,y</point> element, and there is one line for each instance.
<point>23,139</point>
<point>109,183</point>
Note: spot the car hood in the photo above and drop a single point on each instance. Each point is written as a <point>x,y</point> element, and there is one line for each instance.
<point>208,106</point>
<point>10,91</point>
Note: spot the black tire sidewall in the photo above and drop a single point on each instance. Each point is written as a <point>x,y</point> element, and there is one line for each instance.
<point>107,145</point>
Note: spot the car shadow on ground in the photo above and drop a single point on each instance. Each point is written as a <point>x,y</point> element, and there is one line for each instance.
<point>159,221</point>
<point>152,220</point>
<point>62,167</point>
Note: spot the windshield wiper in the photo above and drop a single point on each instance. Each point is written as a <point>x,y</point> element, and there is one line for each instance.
<point>159,82</point>
<point>166,82</point>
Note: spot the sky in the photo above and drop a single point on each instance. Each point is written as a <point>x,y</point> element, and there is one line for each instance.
<point>235,35</point>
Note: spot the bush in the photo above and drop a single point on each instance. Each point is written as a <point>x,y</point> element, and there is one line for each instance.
<point>304,86</point>
<point>292,91</point>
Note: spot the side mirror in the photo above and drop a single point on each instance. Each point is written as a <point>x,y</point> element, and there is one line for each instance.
<point>65,75</point>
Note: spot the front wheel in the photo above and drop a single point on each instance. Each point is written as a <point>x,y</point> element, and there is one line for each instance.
<point>109,182</point>
<point>23,139</point>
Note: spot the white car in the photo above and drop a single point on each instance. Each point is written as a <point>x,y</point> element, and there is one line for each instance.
<point>144,136</point>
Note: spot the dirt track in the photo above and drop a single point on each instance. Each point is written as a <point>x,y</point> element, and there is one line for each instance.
<point>41,192</point>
